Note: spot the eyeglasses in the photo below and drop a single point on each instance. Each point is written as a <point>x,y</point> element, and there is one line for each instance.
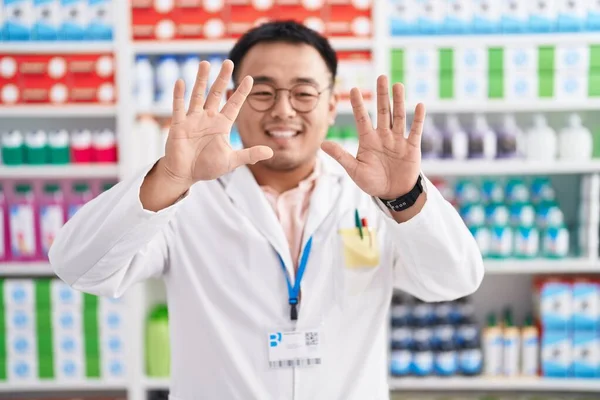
<point>303,97</point>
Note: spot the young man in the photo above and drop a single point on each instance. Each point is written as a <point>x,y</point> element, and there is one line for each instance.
<point>279,261</point>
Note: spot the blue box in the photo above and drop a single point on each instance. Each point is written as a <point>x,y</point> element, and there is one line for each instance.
<point>586,354</point>
<point>556,354</point>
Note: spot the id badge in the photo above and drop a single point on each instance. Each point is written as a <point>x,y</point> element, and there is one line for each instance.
<point>294,349</point>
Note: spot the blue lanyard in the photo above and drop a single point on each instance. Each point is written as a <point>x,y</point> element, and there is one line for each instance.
<point>294,290</point>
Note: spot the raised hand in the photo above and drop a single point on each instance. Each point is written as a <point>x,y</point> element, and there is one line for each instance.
<point>198,146</point>
<point>387,164</point>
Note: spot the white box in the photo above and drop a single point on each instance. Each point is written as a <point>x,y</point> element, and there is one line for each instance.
<point>470,58</point>
<point>64,296</point>
<point>18,19</point>
<point>574,10</point>
<point>112,345</point>
<point>571,85</point>
<point>420,59</point>
<point>114,368</point>
<point>18,293</point>
<point>404,17</point>
<point>22,369</point>
<point>521,85</point>
<point>21,319</point>
<point>471,85</point>
<point>47,19</point>
<point>459,16</point>
<point>69,368</point>
<point>100,19</point>
<point>431,15</point>
<point>67,321</point>
<point>572,57</point>
<point>520,58</point>
<point>2,23</point>
<point>542,15</point>
<point>593,16</point>
<point>21,344</point>
<point>515,15</point>
<point>421,86</point>
<point>487,15</point>
<point>112,321</point>
<point>586,305</point>
<point>74,19</point>
<point>556,354</point>
<point>68,345</point>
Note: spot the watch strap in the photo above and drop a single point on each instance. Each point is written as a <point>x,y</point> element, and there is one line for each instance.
<point>407,200</point>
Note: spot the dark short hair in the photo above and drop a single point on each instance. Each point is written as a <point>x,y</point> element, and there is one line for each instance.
<point>288,32</point>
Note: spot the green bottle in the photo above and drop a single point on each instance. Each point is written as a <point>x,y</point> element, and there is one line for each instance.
<point>13,148</point>
<point>158,351</point>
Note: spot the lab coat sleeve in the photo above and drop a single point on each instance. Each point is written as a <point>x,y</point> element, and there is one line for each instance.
<point>436,257</point>
<point>112,242</point>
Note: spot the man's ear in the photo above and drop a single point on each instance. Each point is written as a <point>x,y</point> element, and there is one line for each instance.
<point>333,105</point>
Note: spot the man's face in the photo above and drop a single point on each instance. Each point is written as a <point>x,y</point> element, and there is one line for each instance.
<point>294,136</point>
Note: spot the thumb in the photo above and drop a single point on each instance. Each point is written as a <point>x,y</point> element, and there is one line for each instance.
<point>337,152</point>
<point>251,155</point>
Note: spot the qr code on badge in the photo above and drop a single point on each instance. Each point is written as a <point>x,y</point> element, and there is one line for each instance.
<point>312,338</point>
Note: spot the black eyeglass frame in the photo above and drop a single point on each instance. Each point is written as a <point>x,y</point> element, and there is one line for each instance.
<point>289,90</point>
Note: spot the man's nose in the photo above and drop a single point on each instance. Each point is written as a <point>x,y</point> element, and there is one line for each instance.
<point>283,108</point>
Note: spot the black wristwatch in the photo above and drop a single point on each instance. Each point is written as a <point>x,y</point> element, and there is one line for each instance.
<point>405,201</point>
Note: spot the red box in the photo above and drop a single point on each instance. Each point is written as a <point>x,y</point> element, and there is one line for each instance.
<point>355,69</point>
<point>315,18</point>
<point>349,18</point>
<point>243,16</point>
<point>10,79</point>
<point>91,79</point>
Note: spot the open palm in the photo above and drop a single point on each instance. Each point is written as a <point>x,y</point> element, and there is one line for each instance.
<point>387,164</point>
<point>198,146</point>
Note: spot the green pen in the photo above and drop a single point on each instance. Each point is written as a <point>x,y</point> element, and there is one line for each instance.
<point>358,223</point>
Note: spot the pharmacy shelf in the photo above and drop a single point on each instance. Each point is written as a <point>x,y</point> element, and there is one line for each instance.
<point>543,266</point>
<point>16,269</point>
<point>499,384</point>
<point>56,47</point>
<point>57,111</point>
<point>467,106</point>
<point>491,40</point>
<point>156,383</point>
<point>90,171</point>
<point>64,386</point>
<point>224,46</point>
<point>508,167</point>
<point>344,108</point>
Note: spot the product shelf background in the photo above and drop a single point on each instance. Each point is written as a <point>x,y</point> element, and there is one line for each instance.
<point>508,282</point>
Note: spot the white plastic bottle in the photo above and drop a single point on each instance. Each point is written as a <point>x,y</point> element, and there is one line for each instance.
<point>189,70</point>
<point>541,140</point>
<point>456,141</point>
<point>147,137</point>
<point>482,140</point>
<point>144,82</point>
<point>575,140</point>
<point>167,73</point>
<point>510,138</point>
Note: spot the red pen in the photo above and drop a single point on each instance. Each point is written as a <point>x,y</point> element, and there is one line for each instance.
<point>366,225</point>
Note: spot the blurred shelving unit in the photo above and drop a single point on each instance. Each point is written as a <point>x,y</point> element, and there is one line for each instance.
<point>124,112</point>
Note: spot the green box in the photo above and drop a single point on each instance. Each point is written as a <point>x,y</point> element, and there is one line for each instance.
<point>446,81</point>
<point>546,59</point>
<point>496,85</point>
<point>3,368</point>
<point>397,60</point>
<point>495,59</point>
<point>546,84</point>
<point>397,76</point>
<point>46,368</point>
<point>594,83</point>
<point>595,57</point>
<point>92,367</point>
<point>446,60</point>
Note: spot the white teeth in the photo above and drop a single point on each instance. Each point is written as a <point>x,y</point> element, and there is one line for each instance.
<point>282,134</point>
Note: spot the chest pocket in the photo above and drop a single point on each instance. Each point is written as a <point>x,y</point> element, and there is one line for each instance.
<point>360,258</point>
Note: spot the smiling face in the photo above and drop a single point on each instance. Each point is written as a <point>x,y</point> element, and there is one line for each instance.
<point>295,137</point>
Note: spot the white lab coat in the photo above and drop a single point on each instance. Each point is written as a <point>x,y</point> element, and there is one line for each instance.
<point>216,251</point>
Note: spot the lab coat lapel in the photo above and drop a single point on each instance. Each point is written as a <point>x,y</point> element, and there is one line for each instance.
<point>325,196</point>
<point>242,188</point>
